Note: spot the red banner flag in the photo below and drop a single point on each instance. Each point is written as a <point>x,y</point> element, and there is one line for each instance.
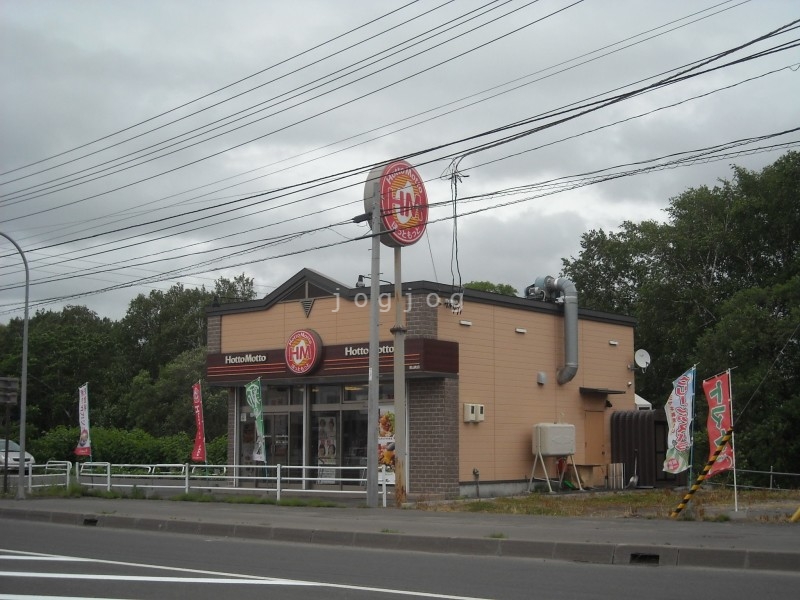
<point>720,420</point>
<point>199,451</point>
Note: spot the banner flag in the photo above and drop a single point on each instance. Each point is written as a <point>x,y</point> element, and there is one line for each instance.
<point>680,412</point>
<point>84,447</point>
<point>720,419</point>
<point>253,395</point>
<point>199,450</point>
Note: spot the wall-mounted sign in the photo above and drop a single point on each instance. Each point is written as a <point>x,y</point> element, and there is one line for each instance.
<point>403,202</point>
<point>422,355</point>
<point>303,351</point>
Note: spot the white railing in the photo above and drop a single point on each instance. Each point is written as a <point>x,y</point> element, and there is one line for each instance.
<point>53,473</point>
<point>185,478</point>
<point>770,480</point>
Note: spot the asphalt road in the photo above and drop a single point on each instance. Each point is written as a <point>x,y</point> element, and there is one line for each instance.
<point>43,559</point>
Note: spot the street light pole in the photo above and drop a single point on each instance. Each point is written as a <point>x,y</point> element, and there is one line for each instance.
<point>24,377</point>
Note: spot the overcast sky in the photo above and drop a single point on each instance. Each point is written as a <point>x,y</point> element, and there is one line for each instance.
<point>155,142</point>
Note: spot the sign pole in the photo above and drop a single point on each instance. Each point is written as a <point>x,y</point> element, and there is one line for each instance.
<point>395,197</point>
<point>373,389</point>
<point>400,434</point>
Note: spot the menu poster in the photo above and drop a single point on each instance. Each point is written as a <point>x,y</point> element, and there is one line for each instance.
<point>327,456</point>
<point>386,442</point>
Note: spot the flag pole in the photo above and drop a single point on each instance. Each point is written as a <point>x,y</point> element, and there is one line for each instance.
<point>700,478</point>
<point>733,446</point>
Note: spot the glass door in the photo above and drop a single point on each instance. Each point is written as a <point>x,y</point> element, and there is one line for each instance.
<point>276,438</point>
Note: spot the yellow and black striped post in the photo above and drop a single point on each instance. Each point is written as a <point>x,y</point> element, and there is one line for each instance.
<point>700,478</point>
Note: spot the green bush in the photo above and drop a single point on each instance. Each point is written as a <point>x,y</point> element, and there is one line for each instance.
<point>119,446</point>
<point>217,451</point>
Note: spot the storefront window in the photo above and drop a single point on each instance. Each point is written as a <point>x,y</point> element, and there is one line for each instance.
<point>337,429</point>
<point>356,393</point>
<point>276,395</point>
<point>354,442</point>
<point>298,394</point>
<point>326,394</point>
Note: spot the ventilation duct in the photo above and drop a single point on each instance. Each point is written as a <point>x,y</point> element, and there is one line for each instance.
<point>549,289</point>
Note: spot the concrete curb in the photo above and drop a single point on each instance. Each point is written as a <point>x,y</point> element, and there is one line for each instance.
<point>586,552</point>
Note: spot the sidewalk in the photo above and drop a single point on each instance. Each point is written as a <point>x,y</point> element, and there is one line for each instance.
<point>732,545</point>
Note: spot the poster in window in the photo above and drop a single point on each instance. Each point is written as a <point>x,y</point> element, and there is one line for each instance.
<point>327,452</point>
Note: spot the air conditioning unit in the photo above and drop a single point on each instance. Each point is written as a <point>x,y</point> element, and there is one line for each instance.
<point>553,439</point>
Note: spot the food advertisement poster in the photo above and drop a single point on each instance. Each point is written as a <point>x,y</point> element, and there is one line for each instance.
<point>326,449</point>
<point>386,442</point>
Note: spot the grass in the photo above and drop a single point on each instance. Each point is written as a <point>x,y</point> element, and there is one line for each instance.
<point>710,504</point>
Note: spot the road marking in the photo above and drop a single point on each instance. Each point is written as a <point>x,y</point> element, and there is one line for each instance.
<point>30,597</point>
<point>222,578</point>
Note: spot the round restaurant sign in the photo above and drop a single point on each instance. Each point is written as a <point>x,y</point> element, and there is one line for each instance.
<point>403,202</point>
<point>303,351</point>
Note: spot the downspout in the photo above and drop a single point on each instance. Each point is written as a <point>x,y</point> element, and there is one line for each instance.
<point>551,288</point>
<point>567,372</point>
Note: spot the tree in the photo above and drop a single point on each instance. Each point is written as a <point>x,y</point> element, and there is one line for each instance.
<point>163,406</point>
<point>240,289</point>
<point>488,286</point>
<point>715,285</point>
<point>65,350</point>
<point>160,326</point>
<point>757,335</point>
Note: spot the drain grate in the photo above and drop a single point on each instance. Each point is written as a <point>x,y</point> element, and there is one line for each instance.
<point>91,522</point>
<point>640,558</point>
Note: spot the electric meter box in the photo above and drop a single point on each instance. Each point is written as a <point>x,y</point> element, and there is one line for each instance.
<point>553,439</point>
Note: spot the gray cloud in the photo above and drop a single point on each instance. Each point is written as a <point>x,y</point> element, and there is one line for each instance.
<point>76,72</point>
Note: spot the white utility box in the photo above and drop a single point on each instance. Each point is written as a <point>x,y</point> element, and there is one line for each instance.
<point>553,439</point>
<point>474,413</point>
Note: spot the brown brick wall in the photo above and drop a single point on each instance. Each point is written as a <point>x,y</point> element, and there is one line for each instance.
<point>214,334</point>
<point>433,434</point>
<point>422,319</point>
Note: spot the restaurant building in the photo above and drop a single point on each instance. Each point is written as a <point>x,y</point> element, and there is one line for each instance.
<point>482,370</point>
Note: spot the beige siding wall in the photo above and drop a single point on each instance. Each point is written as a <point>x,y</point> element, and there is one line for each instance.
<point>498,368</point>
<point>270,329</point>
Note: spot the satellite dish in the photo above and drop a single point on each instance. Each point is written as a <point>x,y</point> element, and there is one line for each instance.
<point>642,358</point>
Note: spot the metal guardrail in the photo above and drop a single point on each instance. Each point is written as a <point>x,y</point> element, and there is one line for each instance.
<point>52,473</point>
<point>277,479</point>
<point>772,480</point>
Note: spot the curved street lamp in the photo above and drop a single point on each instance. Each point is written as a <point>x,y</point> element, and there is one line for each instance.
<point>24,377</point>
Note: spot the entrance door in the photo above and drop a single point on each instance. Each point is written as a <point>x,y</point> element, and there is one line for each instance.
<point>595,444</point>
<point>276,438</point>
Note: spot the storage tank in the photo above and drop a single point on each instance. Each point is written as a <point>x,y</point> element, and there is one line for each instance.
<point>553,439</point>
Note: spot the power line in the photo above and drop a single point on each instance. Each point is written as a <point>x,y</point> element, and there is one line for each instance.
<point>585,108</point>
<point>171,110</point>
<point>642,33</point>
<point>18,194</point>
<point>708,154</point>
<point>95,252</point>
